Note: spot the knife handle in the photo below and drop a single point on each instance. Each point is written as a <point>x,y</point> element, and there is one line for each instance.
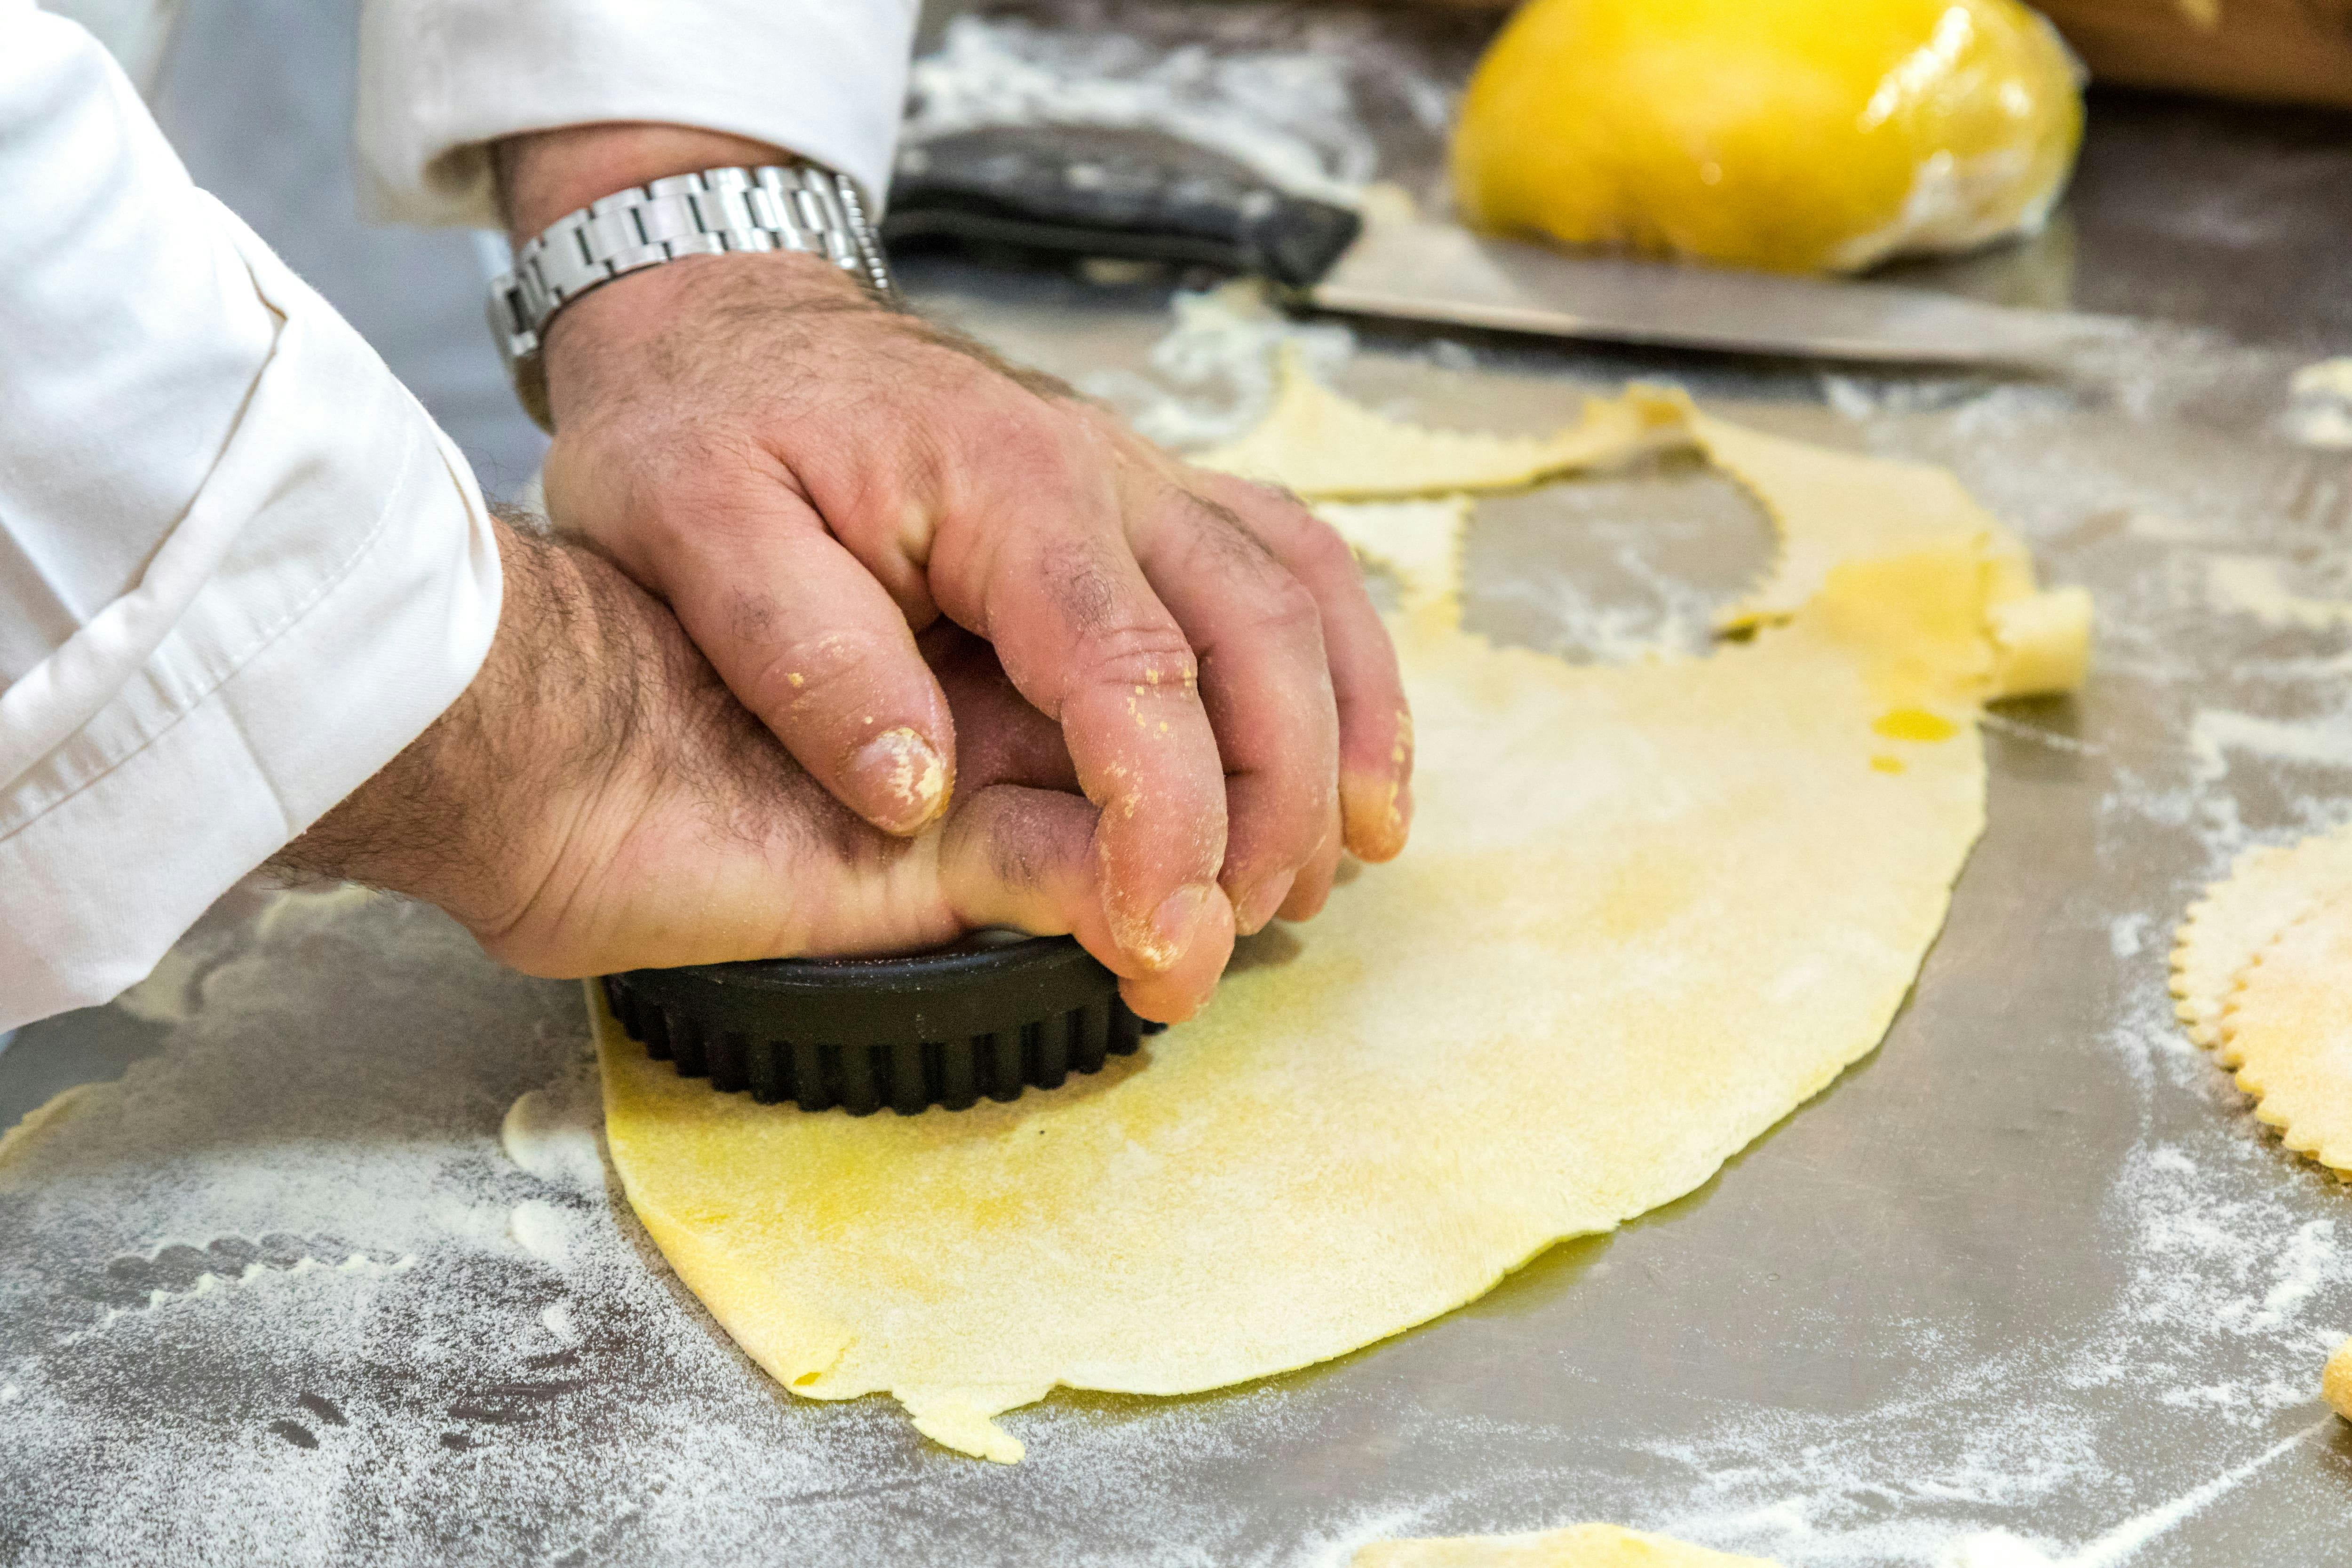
<point>1078,191</point>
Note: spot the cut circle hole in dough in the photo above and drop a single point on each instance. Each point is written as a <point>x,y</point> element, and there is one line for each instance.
<point>1647,911</point>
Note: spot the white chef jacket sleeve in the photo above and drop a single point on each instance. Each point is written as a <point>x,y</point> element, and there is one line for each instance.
<point>439,80</point>
<point>239,567</point>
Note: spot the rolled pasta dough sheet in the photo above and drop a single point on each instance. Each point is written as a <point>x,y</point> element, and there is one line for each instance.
<point>1647,911</point>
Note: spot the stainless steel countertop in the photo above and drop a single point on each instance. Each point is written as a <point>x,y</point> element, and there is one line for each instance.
<point>2031,1266</point>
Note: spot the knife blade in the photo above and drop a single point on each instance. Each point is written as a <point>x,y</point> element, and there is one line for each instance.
<point>1115,192</point>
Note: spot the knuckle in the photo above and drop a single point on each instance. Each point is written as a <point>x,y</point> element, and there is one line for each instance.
<point>696,495</point>
<point>1150,655</point>
<point>1220,542</point>
<point>1291,611</point>
<point>1280,616</point>
<point>1278,501</point>
<point>1019,434</point>
<point>823,674</point>
<point>1321,550</point>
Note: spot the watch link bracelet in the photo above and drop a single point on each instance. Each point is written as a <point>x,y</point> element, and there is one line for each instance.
<point>801,208</point>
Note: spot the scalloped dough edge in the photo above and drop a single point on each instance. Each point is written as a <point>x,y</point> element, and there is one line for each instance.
<point>2285,1029</point>
<point>2267,889</point>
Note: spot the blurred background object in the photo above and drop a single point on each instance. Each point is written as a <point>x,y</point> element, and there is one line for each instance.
<point>1782,134</point>
<point>2272,52</point>
<point>2204,214</point>
<point>2267,51</point>
<point>2198,211</point>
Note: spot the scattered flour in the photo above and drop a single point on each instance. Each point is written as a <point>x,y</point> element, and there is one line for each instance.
<point>1212,376</point>
<point>2127,934</point>
<point>2216,733</point>
<point>2003,724</point>
<point>283,1253</point>
<point>555,1132</point>
<point>556,1320</point>
<point>543,1230</point>
<point>1999,1548</point>
<point>2256,586</point>
<point>2319,405</point>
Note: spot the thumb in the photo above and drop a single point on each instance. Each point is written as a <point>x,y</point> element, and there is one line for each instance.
<point>1022,857</point>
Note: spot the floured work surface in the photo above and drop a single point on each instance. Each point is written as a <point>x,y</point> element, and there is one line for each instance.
<point>2031,1266</point>
<point>1647,911</point>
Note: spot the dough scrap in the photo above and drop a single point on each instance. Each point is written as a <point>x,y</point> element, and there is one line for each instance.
<point>1648,911</point>
<point>1827,507</point>
<point>1832,507</point>
<point>2335,1380</point>
<point>1329,449</point>
<point>1419,542</point>
<point>1577,1546</point>
<point>2266,891</point>
<point>2287,1029</point>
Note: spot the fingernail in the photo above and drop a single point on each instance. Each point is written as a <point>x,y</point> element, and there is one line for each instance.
<point>901,778</point>
<point>1174,923</point>
<point>1401,772</point>
<point>1256,908</point>
<point>1380,818</point>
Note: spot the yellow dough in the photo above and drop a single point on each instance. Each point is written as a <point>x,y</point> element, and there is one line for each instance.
<point>1827,506</point>
<point>1647,911</point>
<point>1419,542</point>
<point>2262,974</point>
<point>2335,1380</point>
<point>2240,916</point>
<point>2287,1029</point>
<point>1787,134</point>
<point>1578,1546</point>
<point>1327,448</point>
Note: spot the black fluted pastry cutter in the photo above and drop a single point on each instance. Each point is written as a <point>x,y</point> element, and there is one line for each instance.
<point>987,1016</point>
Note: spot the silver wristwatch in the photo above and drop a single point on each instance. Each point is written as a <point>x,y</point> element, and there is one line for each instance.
<point>801,208</point>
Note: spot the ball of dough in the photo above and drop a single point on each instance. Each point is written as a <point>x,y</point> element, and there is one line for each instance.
<point>2335,1380</point>
<point>1797,135</point>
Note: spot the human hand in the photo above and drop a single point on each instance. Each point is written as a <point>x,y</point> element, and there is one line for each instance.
<point>596,801</point>
<point>809,477</point>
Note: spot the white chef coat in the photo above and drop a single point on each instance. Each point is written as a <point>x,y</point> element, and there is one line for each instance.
<point>239,567</point>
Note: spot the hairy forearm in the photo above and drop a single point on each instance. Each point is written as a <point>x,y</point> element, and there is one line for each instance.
<point>455,818</point>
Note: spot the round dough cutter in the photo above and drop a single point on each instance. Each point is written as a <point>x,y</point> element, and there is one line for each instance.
<point>989,1015</point>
